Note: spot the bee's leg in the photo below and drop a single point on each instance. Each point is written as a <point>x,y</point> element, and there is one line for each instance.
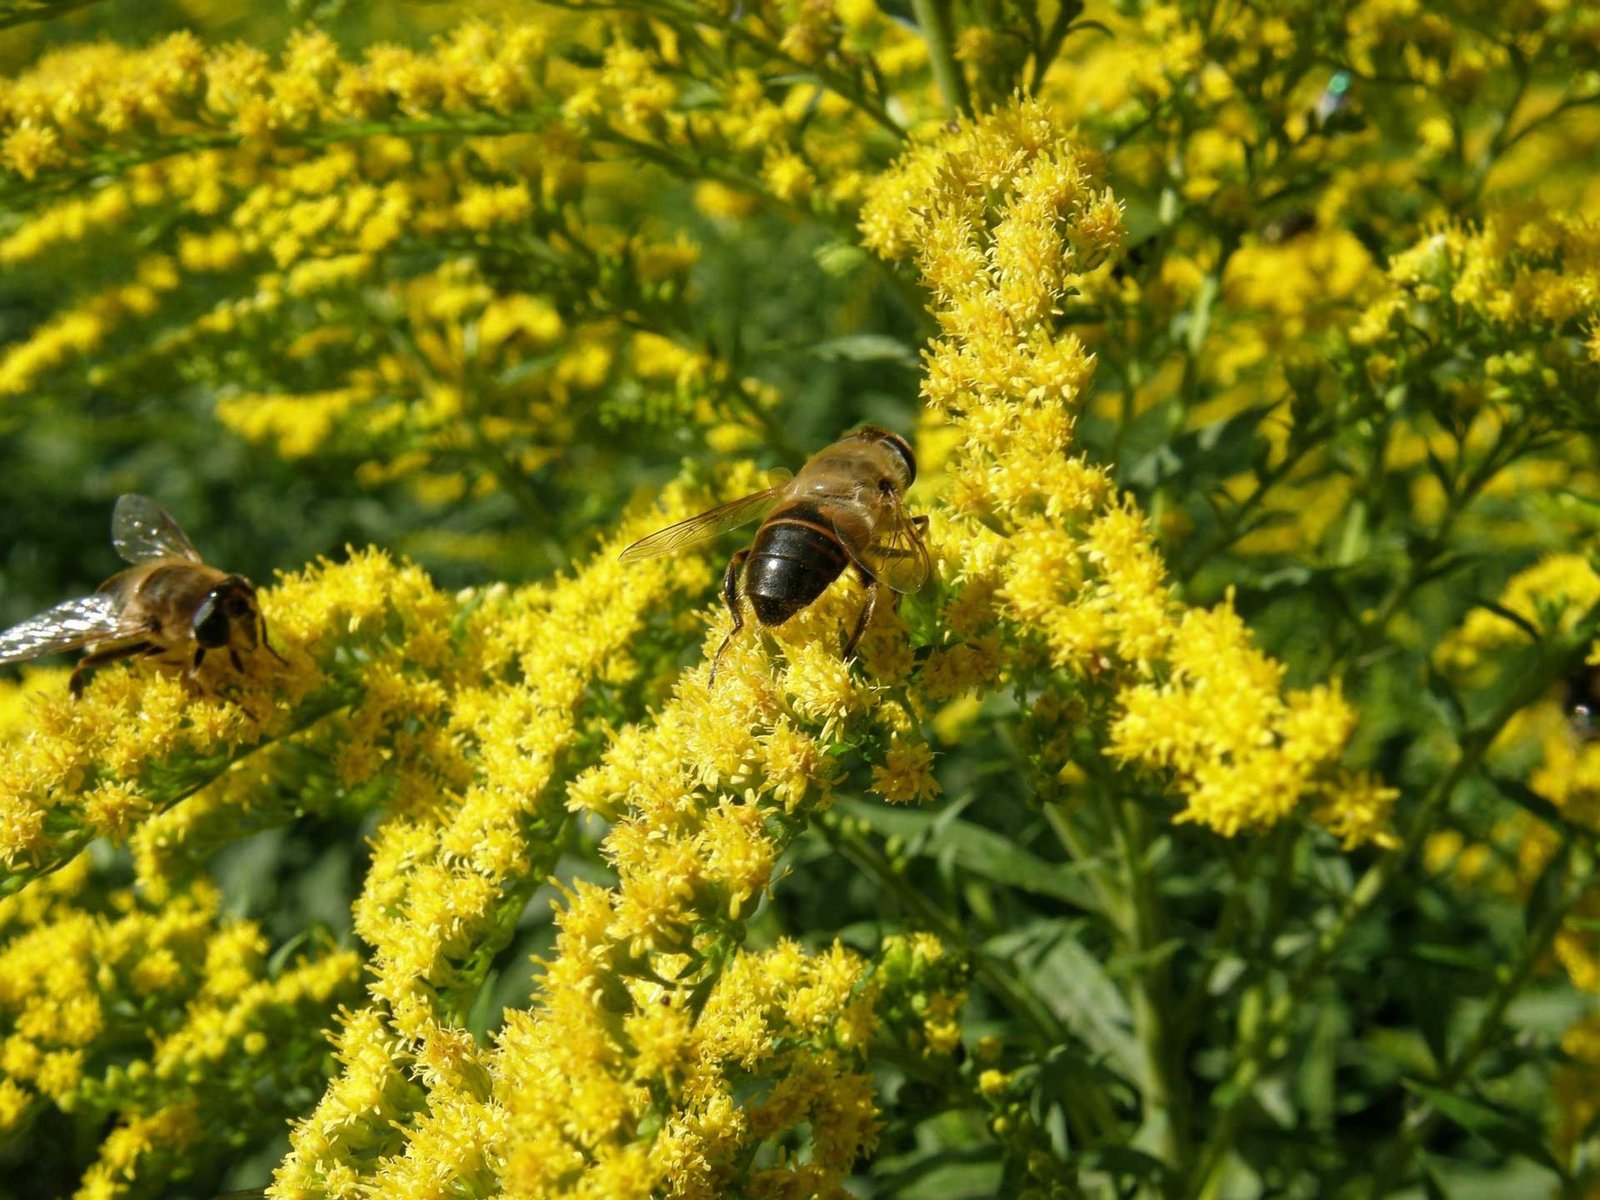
<point>87,664</point>
<point>730,597</point>
<point>233,657</point>
<point>865,618</point>
<point>274,653</point>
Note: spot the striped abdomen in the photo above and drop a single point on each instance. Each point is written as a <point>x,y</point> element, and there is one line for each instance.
<point>796,555</point>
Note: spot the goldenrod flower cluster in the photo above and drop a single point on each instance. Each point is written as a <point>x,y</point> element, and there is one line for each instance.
<point>441,262</point>
<point>164,1020</point>
<point>1004,222</point>
<point>1271,181</point>
<point>1258,351</point>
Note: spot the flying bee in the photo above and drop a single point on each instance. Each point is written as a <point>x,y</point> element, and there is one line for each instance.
<point>169,605</point>
<point>844,509</point>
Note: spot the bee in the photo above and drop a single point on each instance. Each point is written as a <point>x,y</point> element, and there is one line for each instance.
<point>169,605</point>
<point>846,508</point>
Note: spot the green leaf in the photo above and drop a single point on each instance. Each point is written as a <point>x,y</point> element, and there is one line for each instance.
<point>1125,1162</point>
<point>1431,1187</point>
<point>1204,456</point>
<point>1460,957</point>
<point>1507,1131</point>
<point>956,1173</point>
<point>1075,987</point>
<point>865,348</point>
<point>977,851</point>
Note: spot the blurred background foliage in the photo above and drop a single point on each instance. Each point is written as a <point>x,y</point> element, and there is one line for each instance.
<point>1348,362</point>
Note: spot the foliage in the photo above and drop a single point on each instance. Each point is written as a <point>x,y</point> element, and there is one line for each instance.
<point>1220,821</point>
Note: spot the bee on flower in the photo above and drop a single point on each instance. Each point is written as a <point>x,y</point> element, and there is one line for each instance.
<point>846,508</point>
<point>168,605</point>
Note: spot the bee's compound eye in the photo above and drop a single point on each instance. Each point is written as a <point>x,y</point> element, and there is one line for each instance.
<point>211,624</point>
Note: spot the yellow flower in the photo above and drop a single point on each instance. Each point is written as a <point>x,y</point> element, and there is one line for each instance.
<point>906,776</point>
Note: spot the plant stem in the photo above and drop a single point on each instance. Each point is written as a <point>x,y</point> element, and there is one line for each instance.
<point>933,18</point>
<point>1154,1012</point>
<point>1023,1004</point>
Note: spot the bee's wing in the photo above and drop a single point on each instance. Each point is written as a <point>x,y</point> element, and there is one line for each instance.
<point>705,526</point>
<point>897,556</point>
<point>142,530</point>
<point>67,626</point>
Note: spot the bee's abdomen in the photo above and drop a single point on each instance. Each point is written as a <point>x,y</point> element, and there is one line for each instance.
<point>795,557</point>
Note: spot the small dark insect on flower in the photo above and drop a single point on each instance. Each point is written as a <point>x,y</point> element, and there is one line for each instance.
<point>1582,689</point>
<point>846,508</point>
<point>169,605</point>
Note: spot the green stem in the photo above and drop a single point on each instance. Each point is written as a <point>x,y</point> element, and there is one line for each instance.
<point>740,31</point>
<point>1154,1011</point>
<point>1234,907</point>
<point>933,18</point>
<point>1111,900</point>
<point>1231,532</point>
<point>1422,564</point>
<point>1041,1023</point>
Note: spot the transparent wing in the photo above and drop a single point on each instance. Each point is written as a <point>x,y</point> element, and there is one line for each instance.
<point>705,526</point>
<point>142,530</point>
<point>67,626</point>
<point>898,556</point>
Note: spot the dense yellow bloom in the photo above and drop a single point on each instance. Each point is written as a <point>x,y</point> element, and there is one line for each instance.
<point>317,181</point>
<point>457,861</point>
<point>1004,222</point>
<point>135,1011</point>
<point>800,1023</point>
<point>457,267</point>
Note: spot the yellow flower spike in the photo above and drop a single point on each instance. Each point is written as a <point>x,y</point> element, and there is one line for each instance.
<point>1003,219</point>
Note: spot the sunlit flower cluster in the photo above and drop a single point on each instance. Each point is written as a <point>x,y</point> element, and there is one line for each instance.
<point>464,268</point>
<point>1551,596</point>
<point>1516,302</point>
<point>140,741</point>
<point>1003,222</point>
<point>402,255</point>
<point>459,856</point>
<point>1271,186</point>
<point>164,1019</point>
<point>629,1087</point>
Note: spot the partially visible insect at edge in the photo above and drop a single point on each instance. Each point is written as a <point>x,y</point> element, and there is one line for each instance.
<point>169,605</point>
<point>846,508</point>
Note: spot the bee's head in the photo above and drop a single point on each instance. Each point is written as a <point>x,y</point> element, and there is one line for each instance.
<point>228,614</point>
<point>895,443</point>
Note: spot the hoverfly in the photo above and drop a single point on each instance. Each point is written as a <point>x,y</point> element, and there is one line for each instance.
<point>168,605</point>
<point>844,508</point>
